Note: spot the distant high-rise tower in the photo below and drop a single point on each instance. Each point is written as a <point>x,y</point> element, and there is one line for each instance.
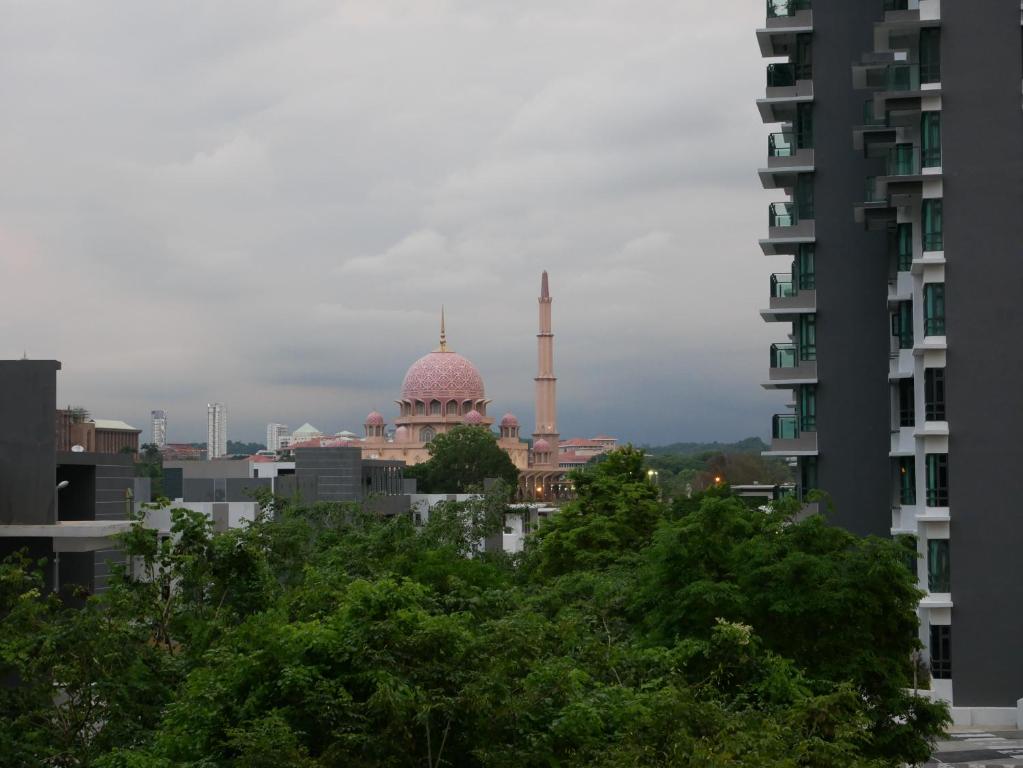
<point>545,437</point>
<point>159,428</point>
<point>274,435</point>
<point>216,430</point>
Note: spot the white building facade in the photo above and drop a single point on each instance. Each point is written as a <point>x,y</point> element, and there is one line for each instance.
<point>216,430</point>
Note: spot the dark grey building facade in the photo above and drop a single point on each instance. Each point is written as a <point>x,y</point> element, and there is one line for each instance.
<point>63,507</point>
<point>896,117</point>
<point>342,475</point>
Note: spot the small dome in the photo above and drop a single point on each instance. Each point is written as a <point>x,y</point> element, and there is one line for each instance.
<point>401,435</point>
<point>509,420</point>
<point>541,446</point>
<point>473,417</point>
<point>375,419</point>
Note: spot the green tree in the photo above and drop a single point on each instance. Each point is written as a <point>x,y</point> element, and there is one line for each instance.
<point>614,514</point>
<point>630,634</point>
<point>461,459</point>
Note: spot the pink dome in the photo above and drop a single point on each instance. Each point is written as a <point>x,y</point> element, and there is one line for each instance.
<point>541,446</point>
<point>473,417</point>
<point>442,376</point>
<point>401,435</point>
<point>509,420</point>
<point>375,420</point>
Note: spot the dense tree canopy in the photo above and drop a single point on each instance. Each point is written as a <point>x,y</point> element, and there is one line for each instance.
<point>461,459</point>
<point>626,635</point>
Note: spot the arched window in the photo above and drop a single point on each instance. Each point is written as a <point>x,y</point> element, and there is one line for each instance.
<point>435,407</point>
<point>466,407</point>
<point>452,408</point>
<point>420,408</point>
<point>426,434</point>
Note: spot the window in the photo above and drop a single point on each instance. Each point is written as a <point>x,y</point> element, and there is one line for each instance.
<point>804,56</point>
<point>941,652</point>
<point>934,309</point>
<point>930,55</point>
<point>907,480</point>
<point>807,474</point>
<point>933,237</point>
<point>938,567</point>
<point>804,196</point>
<point>804,126</point>
<point>937,479</point>
<point>808,409</point>
<point>902,324</point>
<point>420,408</point>
<point>807,337</point>
<point>803,267</point>
<point>907,412</point>
<point>904,244</point>
<point>435,407</point>
<point>930,139</point>
<point>934,394</point>
<point>426,434</point>
<point>452,408</point>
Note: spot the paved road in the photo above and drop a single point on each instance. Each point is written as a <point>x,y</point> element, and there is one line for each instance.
<point>979,750</point>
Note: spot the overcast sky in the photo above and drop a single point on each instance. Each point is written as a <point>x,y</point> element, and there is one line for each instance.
<point>266,203</point>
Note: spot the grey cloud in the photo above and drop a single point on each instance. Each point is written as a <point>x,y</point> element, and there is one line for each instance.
<point>266,203</point>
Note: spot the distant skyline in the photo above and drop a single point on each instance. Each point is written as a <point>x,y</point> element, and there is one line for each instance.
<point>266,205</point>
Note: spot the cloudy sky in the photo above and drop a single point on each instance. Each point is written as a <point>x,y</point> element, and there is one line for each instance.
<point>266,203</point>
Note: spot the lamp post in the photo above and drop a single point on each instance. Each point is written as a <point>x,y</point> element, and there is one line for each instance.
<point>56,555</point>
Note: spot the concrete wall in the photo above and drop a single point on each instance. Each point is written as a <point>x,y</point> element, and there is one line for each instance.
<point>982,161</point>
<point>28,405</point>
<point>852,280</point>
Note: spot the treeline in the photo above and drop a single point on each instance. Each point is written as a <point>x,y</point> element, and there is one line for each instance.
<point>687,468</point>
<point>631,632</point>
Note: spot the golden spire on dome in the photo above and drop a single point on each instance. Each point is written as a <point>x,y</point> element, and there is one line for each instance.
<point>443,336</point>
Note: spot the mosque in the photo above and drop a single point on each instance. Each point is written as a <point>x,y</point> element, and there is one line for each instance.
<point>443,389</point>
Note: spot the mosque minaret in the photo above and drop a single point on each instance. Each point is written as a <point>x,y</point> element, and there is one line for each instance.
<point>545,437</point>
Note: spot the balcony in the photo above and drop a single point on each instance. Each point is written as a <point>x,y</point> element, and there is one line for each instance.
<point>785,160</point>
<point>787,370</point>
<point>895,80</point>
<point>787,301</point>
<point>786,231</point>
<point>787,85</point>
<point>785,20</point>
<point>788,440</point>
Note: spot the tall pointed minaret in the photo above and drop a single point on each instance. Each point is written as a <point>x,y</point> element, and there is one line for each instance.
<point>546,383</point>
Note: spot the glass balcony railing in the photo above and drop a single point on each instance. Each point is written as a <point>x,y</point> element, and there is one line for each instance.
<point>903,160</point>
<point>784,426</point>
<point>781,145</point>
<point>782,286</point>
<point>869,118</point>
<point>896,5</point>
<point>783,356</point>
<point>902,77</point>
<point>873,191</point>
<point>781,75</point>
<point>778,9</point>
<point>782,215</point>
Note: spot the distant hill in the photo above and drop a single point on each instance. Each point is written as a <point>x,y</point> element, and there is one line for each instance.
<point>749,445</point>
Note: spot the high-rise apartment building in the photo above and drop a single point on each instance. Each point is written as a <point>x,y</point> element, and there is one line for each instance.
<point>275,434</point>
<point>894,116</point>
<point>159,428</point>
<point>216,430</point>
